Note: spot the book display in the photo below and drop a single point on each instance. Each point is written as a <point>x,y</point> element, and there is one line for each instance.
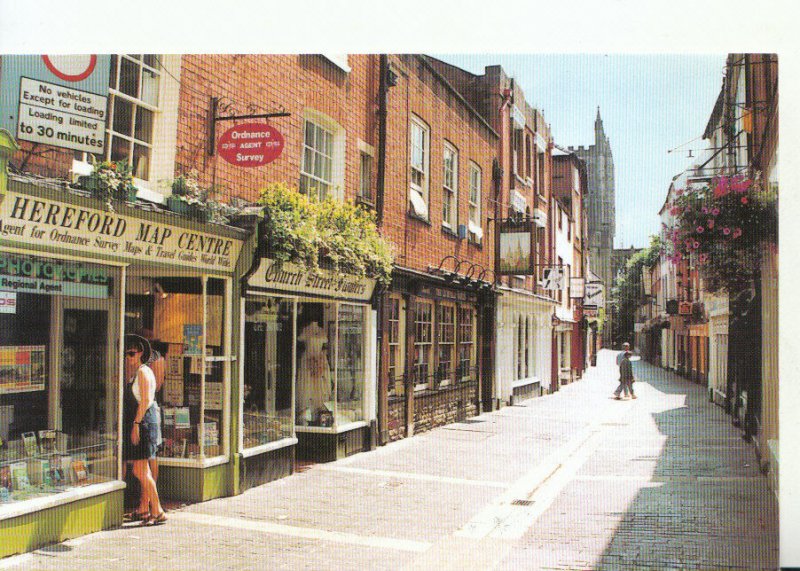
<point>42,463</point>
<point>181,416</point>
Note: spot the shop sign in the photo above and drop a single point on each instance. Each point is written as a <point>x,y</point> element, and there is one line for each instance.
<point>26,274</point>
<point>518,202</point>
<point>8,302</point>
<point>56,100</point>
<point>515,248</point>
<point>31,220</point>
<point>594,296</point>
<point>577,287</point>
<point>589,312</point>
<point>685,308</point>
<point>446,294</point>
<point>552,278</point>
<point>296,279</point>
<point>251,144</point>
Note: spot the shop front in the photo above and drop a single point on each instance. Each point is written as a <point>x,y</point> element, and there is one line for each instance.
<point>437,351</point>
<point>309,373</point>
<point>74,278</point>
<point>522,364</point>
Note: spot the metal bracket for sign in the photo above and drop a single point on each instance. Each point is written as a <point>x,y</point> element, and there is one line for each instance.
<point>229,109</point>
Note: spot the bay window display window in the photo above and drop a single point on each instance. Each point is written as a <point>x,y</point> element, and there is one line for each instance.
<point>395,332</point>
<point>186,319</point>
<point>423,343</point>
<point>59,375</point>
<point>446,316</point>
<point>466,344</point>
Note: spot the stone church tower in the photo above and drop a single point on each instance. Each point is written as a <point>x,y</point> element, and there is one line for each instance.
<point>600,202</point>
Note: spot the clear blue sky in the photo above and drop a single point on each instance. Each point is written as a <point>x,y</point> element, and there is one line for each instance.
<point>649,104</point>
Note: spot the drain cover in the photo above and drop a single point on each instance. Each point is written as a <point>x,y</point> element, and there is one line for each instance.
<point>522,503</point>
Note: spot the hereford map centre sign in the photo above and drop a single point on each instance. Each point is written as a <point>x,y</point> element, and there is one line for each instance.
<point>27,220</point>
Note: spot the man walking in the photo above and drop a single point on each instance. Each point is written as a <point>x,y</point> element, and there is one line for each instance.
<point>625,373</point>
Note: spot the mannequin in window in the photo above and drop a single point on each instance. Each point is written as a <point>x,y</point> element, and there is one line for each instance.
<point>313,374</point>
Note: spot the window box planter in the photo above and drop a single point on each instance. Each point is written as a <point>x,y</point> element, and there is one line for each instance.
<point>177,205</point>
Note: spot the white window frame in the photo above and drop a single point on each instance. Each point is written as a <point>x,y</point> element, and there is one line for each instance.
<point>474,199</point>
<point>419,193</point>
<point>452,345</point>
<point>366,155</point>
<point>337,153</point>
<point>449,187</point>
<point>428,346</point>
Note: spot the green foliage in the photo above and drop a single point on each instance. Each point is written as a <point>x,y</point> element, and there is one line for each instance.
<point>202,205</point>
<point>627,293</point>
<point>301,230</point>
<point>111,181</point>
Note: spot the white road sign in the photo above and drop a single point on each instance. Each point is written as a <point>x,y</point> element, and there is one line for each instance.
<point>61,116</point>
<point>594,295</point>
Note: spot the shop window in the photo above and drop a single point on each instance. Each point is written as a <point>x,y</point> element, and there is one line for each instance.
<point>59,375</point>
<point>423,343</point>
<point>445,368</point>
<point>449,186</point>
<point>133,106</point>
<point>331,364</point>
<point>268,370</point>
<point>466,344</point>
<point>395,330</point>
<point>527,347</point>
<point>187,318</point>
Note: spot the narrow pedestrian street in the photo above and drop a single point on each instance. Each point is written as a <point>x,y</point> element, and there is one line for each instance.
<point>573,480</point>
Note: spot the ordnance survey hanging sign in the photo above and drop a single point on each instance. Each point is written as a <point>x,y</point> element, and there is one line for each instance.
<point>56,100</point>
<point>28,220</point>
<point>299,280</point>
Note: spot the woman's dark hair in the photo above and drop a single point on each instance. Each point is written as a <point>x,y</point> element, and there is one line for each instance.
<point>134,344</point>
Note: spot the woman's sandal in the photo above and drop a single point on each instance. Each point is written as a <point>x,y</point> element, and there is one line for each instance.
<point>155,520</point>
<point>136,516</point>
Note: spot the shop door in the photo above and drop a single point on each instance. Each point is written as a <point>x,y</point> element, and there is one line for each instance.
<point>87,365</point>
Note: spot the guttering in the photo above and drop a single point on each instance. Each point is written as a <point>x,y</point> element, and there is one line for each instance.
<point>383,97</point>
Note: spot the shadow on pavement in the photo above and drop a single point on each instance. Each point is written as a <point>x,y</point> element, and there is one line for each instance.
<point>706,505</point>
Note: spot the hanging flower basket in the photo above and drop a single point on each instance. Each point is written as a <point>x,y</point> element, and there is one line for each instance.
<point>177,205</point>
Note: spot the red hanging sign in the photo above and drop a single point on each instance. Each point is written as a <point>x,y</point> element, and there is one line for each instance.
<point>250,144</point>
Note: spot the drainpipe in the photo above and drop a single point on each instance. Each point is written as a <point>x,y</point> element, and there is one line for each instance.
<point>381,345</point>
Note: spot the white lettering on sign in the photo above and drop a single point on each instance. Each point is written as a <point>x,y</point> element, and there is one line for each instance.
<point>28,220</point>
<point>296,278</point>
<point>61,116</point>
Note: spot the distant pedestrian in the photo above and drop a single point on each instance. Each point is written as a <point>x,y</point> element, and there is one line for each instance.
<point>625,376</point>
<point>625,347</point>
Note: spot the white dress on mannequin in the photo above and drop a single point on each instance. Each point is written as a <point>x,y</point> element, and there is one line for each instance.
<point>313,372</point>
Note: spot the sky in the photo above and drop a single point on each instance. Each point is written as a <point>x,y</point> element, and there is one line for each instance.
<point>650,104</point>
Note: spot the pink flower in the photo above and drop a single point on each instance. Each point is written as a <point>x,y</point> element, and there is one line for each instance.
<point>737,232</point>
<point>696,244</point>
<point>679,192</point>
<point>715,212</point>
<point>726,230</point>
<point>740,184</point>
<point>710,223</point>
<point>722,187</point>
<point>699,229</point>
<point>703,258</point>
<point>744,200</point>
<point>705,210</point>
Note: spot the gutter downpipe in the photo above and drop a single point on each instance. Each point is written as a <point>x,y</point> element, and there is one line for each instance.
<point>383,387</point>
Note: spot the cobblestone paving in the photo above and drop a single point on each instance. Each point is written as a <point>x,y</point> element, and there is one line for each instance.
<point>574,480</point>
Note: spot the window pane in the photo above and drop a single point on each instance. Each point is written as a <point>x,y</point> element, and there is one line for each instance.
<point>112,78</point>
<point>144,124</point>
<point>268,371</point>
<point>152,60</point>
<point>350,364</point>
<point>315,347</point>
<point>141,161</point>
<point>123,116</point>
<point>150,83</point>
<point>47,376</point>
<point>129,78</point>
<point>120,149</point>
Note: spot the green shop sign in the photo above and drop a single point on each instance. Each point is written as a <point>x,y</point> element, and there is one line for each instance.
<point>28,274</point>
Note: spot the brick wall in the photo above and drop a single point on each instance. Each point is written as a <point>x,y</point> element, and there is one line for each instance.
<point>445,406</point>
<point>294,82</point>
<point>420,92</point>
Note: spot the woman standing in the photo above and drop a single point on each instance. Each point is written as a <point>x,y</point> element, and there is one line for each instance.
<point>141,426</point>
